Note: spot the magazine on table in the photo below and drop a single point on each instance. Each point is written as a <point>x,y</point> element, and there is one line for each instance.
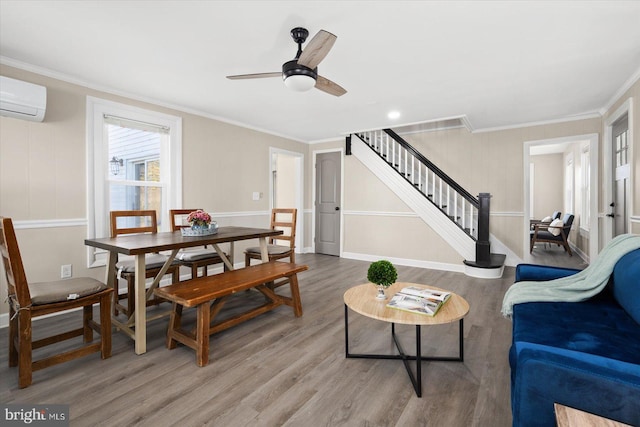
<point>419,300</point>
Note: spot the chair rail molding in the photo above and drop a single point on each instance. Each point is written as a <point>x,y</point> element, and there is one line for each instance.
<point>49,223</point>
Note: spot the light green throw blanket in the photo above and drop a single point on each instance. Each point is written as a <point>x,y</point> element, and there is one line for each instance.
<point>577,287</point>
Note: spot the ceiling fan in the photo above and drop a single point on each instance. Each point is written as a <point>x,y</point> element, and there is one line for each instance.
<point>301,73</point>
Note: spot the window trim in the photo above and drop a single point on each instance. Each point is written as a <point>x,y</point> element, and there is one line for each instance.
<point>585,200</point>
<point>97,152</point>
<point>569,184</point>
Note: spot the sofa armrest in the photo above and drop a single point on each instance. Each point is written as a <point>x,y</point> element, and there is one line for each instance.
<point>538,273</point>
<point>543,375</point>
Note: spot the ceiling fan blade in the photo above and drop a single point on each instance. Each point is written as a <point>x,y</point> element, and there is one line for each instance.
<point>255,76</point>
<point>317,49</point>
<point>329,87</point>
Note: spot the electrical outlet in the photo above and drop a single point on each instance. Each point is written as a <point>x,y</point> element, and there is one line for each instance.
<point>65,271</point>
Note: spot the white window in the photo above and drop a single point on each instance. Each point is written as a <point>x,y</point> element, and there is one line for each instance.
<point>134,159</point>
<point>585,188</point>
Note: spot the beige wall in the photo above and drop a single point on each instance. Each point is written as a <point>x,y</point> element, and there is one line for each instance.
<point>43,174</point>
<point>481,162</point>
<point>547,184</point>
<point>493,162</point>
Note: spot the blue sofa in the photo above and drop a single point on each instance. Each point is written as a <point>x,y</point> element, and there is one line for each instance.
<point>585,355</point>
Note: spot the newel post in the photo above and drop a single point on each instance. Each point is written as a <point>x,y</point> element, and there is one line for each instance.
<point>483,247</point>
<point>347,150</point>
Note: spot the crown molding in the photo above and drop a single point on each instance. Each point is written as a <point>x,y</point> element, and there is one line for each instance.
<point>91,85</point>
<point>620,92</point>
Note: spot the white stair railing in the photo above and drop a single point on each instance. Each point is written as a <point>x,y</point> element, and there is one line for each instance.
<point>446,197</point>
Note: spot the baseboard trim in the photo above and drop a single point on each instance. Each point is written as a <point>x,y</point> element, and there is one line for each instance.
<point>4,317</point>
<point>406,262</point>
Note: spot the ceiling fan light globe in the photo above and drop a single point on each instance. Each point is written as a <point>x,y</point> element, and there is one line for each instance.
<point>300,83</point>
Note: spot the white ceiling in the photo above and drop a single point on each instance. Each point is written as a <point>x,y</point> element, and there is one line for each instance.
<point>498,63</point>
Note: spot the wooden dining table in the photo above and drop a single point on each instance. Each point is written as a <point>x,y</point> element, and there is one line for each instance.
<point>138,245</point>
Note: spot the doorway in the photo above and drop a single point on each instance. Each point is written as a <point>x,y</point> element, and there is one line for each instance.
<point>327,202</point>
<point>618,149</point>
<point>286,186</point>
<point>579,196</point>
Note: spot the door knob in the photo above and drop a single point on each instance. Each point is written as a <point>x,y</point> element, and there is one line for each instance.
<point>337,208</point>
<point>611,215</point>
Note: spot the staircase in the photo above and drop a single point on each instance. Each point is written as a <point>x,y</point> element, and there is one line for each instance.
<point>459,217</point>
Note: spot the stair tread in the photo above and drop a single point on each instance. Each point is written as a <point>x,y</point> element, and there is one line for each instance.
<point>496,261</point>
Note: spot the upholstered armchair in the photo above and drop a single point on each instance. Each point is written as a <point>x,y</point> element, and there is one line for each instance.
<point>556,232</point>
<point>546,220</point>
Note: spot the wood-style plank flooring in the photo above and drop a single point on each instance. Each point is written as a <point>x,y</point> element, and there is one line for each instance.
<point>278,370</point>
<point>551,254</point>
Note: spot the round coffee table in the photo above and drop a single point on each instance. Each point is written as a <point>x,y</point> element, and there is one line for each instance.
<point>362,300</point>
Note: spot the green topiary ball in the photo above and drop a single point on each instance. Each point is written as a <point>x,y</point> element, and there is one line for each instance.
<point>382,273</point>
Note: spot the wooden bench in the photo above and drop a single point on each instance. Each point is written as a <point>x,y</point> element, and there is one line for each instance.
<point>218,288</point>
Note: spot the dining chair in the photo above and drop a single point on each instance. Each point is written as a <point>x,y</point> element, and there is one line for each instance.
<point>281,219</point>
<point>136,222</point>
<point>193,258</point>
<point>30,300</point>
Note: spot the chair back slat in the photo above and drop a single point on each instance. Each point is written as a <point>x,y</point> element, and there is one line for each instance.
<point>284,219</point>
<point>181,214</point>
<point>13,267</point>
<point>148,222</point>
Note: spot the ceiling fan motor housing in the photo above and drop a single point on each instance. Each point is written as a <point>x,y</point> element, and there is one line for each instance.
<point>292,68</point>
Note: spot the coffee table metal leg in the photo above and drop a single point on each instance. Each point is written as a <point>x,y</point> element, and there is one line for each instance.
<point>346,331</point>
<point>416,380</point>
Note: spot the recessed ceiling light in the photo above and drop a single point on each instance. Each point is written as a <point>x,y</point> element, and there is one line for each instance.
<point>393,115</point>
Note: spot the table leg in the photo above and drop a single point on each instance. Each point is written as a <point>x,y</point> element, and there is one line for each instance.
<point>231,252</point>
<point>140,315</point>
<point>416,380</point>
<point>227,262</point>
<point>112,281</point>
<point>263,250</point>
<point>110,273</point>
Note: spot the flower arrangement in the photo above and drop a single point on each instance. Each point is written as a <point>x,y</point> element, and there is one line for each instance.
<point>199,218</point>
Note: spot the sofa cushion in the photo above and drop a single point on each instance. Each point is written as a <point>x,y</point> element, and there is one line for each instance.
<point>597,326</point>
<point>626,283</point>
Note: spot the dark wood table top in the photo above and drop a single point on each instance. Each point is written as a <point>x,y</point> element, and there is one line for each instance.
<point>136,244</point>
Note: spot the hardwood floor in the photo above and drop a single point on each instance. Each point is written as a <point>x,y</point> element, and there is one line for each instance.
<point>278,370</point>
<point>551,254</point>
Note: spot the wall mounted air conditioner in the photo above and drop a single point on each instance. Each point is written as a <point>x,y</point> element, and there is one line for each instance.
<point>22,100</point>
